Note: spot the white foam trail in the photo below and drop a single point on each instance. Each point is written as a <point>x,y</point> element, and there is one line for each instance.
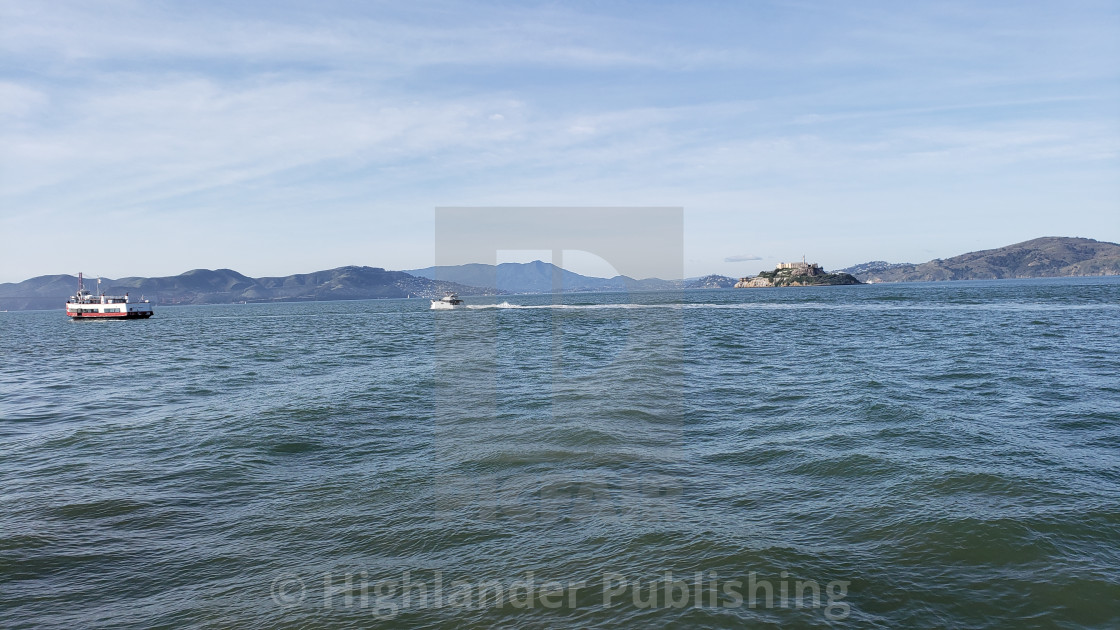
<point>766,306</point>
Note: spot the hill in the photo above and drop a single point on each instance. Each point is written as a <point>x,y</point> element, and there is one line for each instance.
<point>1047,257</point>
<point>874,267</point>
<point>225,286</point>
<point>536,277</point>
<point>713,281</point>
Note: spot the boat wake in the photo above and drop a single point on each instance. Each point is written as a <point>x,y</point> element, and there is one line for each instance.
<point>764,306</point>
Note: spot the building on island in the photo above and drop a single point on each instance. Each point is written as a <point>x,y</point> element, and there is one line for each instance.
<point>786,274</point>
<point>802,268</point>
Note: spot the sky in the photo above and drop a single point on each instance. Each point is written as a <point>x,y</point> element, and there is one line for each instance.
<point>150,138</point>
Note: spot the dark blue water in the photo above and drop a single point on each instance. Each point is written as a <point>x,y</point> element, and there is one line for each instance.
<point>926,455</point>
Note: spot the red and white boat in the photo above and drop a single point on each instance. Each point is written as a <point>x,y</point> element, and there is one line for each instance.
<point>85,305</point>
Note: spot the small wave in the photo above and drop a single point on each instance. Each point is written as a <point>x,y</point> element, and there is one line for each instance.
<point>501,305</point>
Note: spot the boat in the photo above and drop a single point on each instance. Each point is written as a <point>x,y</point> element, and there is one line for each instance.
<point>447,302</point>
<point>85,305</point>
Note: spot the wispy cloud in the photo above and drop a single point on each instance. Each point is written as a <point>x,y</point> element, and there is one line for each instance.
<point>349,125</point>
<point>741,258</point>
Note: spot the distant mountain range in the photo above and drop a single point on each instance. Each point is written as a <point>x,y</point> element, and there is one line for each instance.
<point>536,277</point>
<point>1047,257</point>
<point>1041,257</point>
<point>225,286</point>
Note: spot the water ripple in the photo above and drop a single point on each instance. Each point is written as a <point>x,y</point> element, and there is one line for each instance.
<point>946,454</point>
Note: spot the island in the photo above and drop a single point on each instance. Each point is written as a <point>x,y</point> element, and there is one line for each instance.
<point>796,274</point>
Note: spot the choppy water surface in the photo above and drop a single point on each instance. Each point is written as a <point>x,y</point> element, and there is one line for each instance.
<point>939,455</point>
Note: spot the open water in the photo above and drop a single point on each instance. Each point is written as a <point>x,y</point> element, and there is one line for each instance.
<point>923,455</point>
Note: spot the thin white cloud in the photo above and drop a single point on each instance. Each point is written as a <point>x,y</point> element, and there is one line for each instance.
<point>742,258</point>
<point>19,101</point>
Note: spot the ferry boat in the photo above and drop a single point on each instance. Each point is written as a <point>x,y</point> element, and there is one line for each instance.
<point>447,302</point>
<point>85,305</point>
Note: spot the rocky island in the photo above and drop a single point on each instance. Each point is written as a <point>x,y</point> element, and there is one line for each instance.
<point>796,274</point>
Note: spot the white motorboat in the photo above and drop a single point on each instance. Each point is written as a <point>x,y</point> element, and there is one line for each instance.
<point>447,302</point>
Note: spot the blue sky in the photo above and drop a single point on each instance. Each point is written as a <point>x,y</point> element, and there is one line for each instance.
<point>277,138</point>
